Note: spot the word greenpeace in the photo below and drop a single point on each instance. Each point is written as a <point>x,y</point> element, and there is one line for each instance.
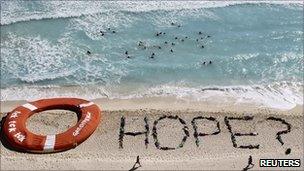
<point>280,162</point>
<point>82,124</point>
<point>198,134</point>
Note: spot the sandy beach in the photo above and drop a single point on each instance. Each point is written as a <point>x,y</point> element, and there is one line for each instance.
<point>166,147</point>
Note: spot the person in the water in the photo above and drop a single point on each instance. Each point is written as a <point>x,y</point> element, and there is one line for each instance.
<point>200,33</point>
<point>210,62</point>
<point>113,31</point>
<point>172,44</point>
<point>171,50</point>
<point>166,42</point>
<point>152,56</point>
<point>140,43</point>
<point>202,46</point>
<point>126,53</point>
<point>88,52</point>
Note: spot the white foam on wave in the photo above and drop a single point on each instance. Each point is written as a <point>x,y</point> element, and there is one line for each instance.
<point>34,59</point>
<point>17,11</point>
<point>27,58</point>
<point>282,96</point>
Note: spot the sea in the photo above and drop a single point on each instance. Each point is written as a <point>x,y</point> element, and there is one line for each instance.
<point>138,49</point>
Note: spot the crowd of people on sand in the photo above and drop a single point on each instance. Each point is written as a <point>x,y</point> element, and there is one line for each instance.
<point>142,45</point>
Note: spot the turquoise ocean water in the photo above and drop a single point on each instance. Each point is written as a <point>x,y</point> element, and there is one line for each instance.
<point>256,50</point>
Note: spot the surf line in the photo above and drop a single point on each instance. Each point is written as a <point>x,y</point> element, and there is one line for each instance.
<point>230,122</point>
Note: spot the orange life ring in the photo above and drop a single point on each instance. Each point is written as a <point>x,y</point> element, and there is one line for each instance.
<point>19,137</point>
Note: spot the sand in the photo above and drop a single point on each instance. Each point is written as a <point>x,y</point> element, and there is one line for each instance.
<point>102,150</point>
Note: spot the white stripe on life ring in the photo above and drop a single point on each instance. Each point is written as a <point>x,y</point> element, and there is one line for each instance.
<point>86,104</point>
<point>49,143</point>
<point>30,106</point>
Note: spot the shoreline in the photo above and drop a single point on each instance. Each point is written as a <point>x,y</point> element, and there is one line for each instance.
<point>173,104</point>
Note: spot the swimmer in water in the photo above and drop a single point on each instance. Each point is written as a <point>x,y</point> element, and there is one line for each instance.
<point>176,38</point>
<point>204,63</point>
<point>202,46</point>
<point>208,36</point>
<point>171,50</point>
<point>153,54</point>
<point>200,32</point>
<point>172,44</point>
<point>126,53</point>
<point>166,42</point>
<point>140,43</point>
<point>179,25</point>
<point>182,40</point>
<point>197,40</point>
<point>88,52</point>
<point>210,62</point>
<point>109,28</point>
<point>113,31</point>
<point>172,24</point>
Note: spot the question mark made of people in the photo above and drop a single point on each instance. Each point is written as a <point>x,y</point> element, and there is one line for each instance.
<point>278,136</point>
